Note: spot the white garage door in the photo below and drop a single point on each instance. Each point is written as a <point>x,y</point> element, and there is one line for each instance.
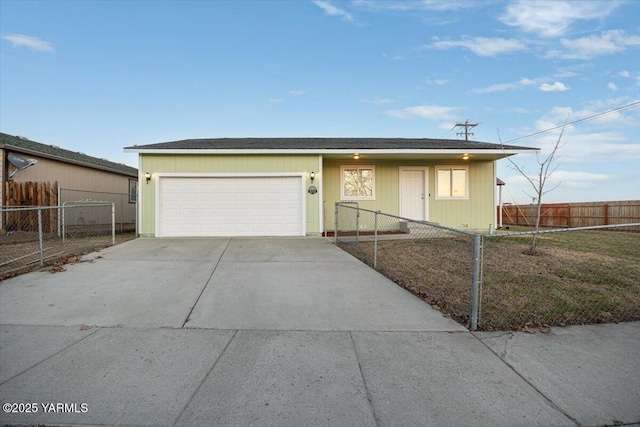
<point>231,206</point>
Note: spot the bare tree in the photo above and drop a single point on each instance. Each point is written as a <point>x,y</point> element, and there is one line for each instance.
<point>539,181</point>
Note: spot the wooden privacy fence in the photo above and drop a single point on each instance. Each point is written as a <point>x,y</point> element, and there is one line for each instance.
<point>21,194</point>
<point>569,215</point>
<point>30,194</point>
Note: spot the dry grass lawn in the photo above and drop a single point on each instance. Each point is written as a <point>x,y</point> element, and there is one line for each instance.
<point>579,277</point>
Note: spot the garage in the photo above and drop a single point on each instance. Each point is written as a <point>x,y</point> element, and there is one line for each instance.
<point>193,206</point>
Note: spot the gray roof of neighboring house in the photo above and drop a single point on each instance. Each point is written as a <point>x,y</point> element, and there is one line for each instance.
<point>324,144</point>
<point>23,145</point>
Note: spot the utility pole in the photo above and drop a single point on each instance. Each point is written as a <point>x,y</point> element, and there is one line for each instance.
<point>466,125</point>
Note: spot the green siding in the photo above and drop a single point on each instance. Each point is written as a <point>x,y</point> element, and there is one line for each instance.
<point>205,163</point>
<point>475,213</point>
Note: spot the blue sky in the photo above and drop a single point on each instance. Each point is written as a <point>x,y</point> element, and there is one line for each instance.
<point>96,76</point>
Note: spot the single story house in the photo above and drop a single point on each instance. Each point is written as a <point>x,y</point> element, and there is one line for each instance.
<point>79,175</point>
<point>288,186</point>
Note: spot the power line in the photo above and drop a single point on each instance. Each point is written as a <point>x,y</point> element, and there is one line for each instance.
<point>448,132</point>
<point>624,107</point>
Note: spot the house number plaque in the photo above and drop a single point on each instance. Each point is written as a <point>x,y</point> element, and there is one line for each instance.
<point>312,190</point>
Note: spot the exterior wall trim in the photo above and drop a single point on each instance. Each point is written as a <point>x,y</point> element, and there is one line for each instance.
<point>320,196</point>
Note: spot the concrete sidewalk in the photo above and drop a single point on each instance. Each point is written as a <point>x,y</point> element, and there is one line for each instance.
<point>284,332</point>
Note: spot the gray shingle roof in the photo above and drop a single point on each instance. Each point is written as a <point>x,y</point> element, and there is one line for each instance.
<point>324,144</point>
<point>51,151</point>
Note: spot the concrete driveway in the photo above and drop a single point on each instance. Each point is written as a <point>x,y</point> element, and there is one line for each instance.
<point>261,284</point>
<point>282,332</point>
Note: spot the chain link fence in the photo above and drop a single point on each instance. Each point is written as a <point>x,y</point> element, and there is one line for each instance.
<point>576,276</point>
<point>431,261</point>
<point>124,203</point>
<point>37,236</point>
<point>492,281</point>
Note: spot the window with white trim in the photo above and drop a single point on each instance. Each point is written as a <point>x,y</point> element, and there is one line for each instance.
<point>357,182</point>
<point>452,182</point>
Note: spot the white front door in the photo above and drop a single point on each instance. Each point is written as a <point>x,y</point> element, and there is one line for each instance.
<point>414,195</point>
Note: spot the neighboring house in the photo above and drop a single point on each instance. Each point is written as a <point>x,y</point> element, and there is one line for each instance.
<point>265,186</point>
<point>72,170</point>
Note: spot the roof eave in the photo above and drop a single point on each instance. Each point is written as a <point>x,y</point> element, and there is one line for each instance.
<point>67,160</point>
<point>506,152</point>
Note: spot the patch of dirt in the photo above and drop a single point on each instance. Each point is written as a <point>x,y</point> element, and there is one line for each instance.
<point>20,252</point>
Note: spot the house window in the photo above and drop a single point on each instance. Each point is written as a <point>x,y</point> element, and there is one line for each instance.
<point>133,190</point>
<point>452,182</point>
<point>357,182</point>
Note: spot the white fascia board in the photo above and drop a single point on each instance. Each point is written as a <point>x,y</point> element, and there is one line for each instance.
<point>325,151</point>
<point>228,174</point>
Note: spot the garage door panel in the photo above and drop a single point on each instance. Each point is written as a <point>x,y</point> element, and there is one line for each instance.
<point>236,206</point>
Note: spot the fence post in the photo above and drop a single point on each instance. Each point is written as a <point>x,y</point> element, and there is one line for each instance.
<point>113,224</point>
<point>40,237</point>
<point>475,287</point>
<point>59,216</point>
<point>64,230</point>
<point>375,240</point>
<point>324,217</point>
<point>357,224</point>
<point>335,224</point>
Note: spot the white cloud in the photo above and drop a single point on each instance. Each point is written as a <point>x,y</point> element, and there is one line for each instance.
<point>595,106</point>
<point>332,10</point>
<point>296,92</point>
<point>624,73</point>
<point>604,140</point>
<point>499,87</point>
<point>33,43</point>
<point>378,101</point>
<point>584,147</point>
<point>275,100</point>
<point>607,43</point>
<point>412,5</point>
<point>565,178</point>
<point>593,147</point>
<point>554,18</point>
<point>437,82</point>
<point>557,115</point>
<point>481,46</point>
<point>612,86</point>
<point>556,87</point>
<point>429,112</point>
